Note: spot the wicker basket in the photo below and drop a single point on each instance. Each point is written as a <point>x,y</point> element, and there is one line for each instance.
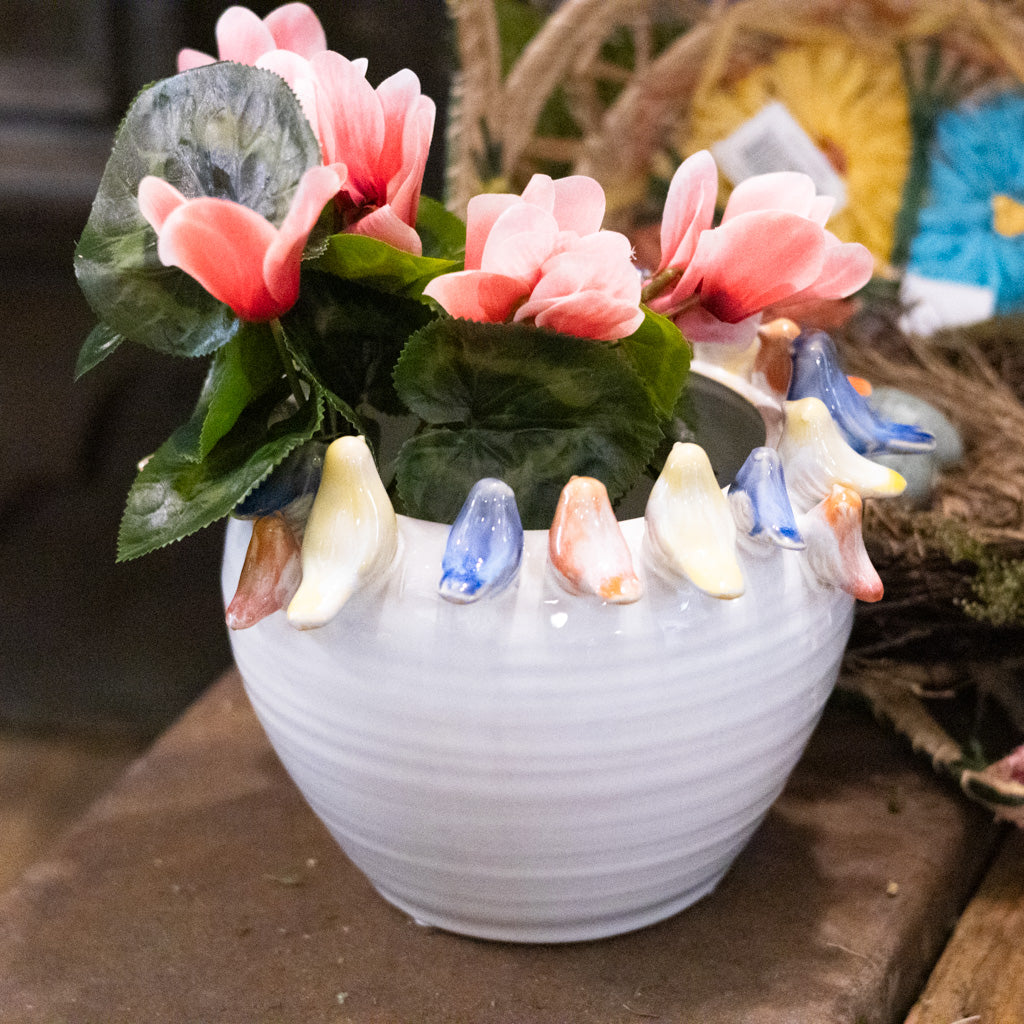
<point>919,657</point>
<point>681,49</point>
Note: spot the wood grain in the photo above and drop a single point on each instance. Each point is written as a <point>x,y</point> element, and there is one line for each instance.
<point>45,784</point>
<point>980,975</point>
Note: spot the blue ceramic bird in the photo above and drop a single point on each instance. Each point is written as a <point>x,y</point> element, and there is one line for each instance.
<point>760,502</point>
<point>817,374</point>
<point>298,476</point>
<point>485,544</point>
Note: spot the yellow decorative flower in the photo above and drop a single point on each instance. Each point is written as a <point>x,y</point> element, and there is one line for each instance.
<point>852,103</point>
<point>1007,216</point>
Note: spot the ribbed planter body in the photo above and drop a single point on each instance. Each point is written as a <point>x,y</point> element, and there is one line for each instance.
<point>537,766</point>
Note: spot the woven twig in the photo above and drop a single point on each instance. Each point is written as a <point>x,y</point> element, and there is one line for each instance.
<point>565,54</point>
<point>496,116</point>
<point>476,92</point>
<point>894,692</point>
<point>917,640</point>
<point>657,100</point>
<point>954,373</point>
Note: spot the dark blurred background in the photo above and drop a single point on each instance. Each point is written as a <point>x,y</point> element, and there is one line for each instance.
<point>87,645</point>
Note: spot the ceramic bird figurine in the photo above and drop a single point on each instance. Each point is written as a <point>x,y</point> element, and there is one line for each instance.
<point>289,488</point>
<point>760,502</point>
<point>485,544</point>
<point>691,533</point>
<point>816,456</point>
<point>816,373</point>
<point>835,545</point>
<point>586,547</point>
<point>773,364</point>
<point>270,575</point>
<point>351,535</point>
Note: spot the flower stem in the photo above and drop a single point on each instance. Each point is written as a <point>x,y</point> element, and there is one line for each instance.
<point>660,282</point>
<point>688,303</point>
<point>289,366</point>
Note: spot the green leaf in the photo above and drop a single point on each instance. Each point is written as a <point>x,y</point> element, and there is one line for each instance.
<point>100,343</point>
<point>531,407</point>
<point>661,356</point>
<point>243,370</point>
<point>300,355</point>
<point>347,338</point>
<point>379,265</point>
<point>442,233</point>
<point>224,130</point>
<point>174,496</point>
<point>338,405</point>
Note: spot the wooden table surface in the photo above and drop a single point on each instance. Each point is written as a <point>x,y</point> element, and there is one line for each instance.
<point>201,889</point>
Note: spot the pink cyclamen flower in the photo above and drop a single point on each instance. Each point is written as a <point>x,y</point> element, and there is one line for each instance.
<point>542,258</point>
<point>243,37</point>
<point>381,136</point>
<point>771,247</point>
<point>235,253</point>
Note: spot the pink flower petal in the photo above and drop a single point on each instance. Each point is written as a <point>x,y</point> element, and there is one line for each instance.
<point>222,245</point>
<point>477,295</point>
<point>681,292</point>
<point>698,325</point>
<point>848,266</point>
<point>608,246</point>
<point>585,314</point>
<point>821,209</point>
<point>409,126</point>
<point>579,204</point>
<point>385,225</point>
<point>189,59</point>
<point>242,36</point>
<point>158,199</point>
<point>540,191</point>
<point>689,209</point>
<point>481,213</point>
<point>351,124</point>
<point>519,242</point>
<point>397,96</point>
<point>591,267</point>
<point>533,263</point>
<point>417,134</point>
<point>281,263</point>
<point>790,191</point>
<point>757,259</point>
<point>296,27</point>
<point>591,293</point>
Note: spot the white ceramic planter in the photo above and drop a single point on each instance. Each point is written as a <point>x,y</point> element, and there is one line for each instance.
<point>539,767</point>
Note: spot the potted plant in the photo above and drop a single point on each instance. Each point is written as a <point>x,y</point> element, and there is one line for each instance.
<point>524,711</point>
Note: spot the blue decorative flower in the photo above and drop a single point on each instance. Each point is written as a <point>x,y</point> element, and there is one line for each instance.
<point>972,228</point>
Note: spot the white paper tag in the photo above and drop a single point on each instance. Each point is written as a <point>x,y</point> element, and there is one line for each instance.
<point>933,304</point>
<point>773,140</point>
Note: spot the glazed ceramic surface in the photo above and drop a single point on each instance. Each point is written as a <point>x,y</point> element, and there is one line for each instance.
<point>542,766</point>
